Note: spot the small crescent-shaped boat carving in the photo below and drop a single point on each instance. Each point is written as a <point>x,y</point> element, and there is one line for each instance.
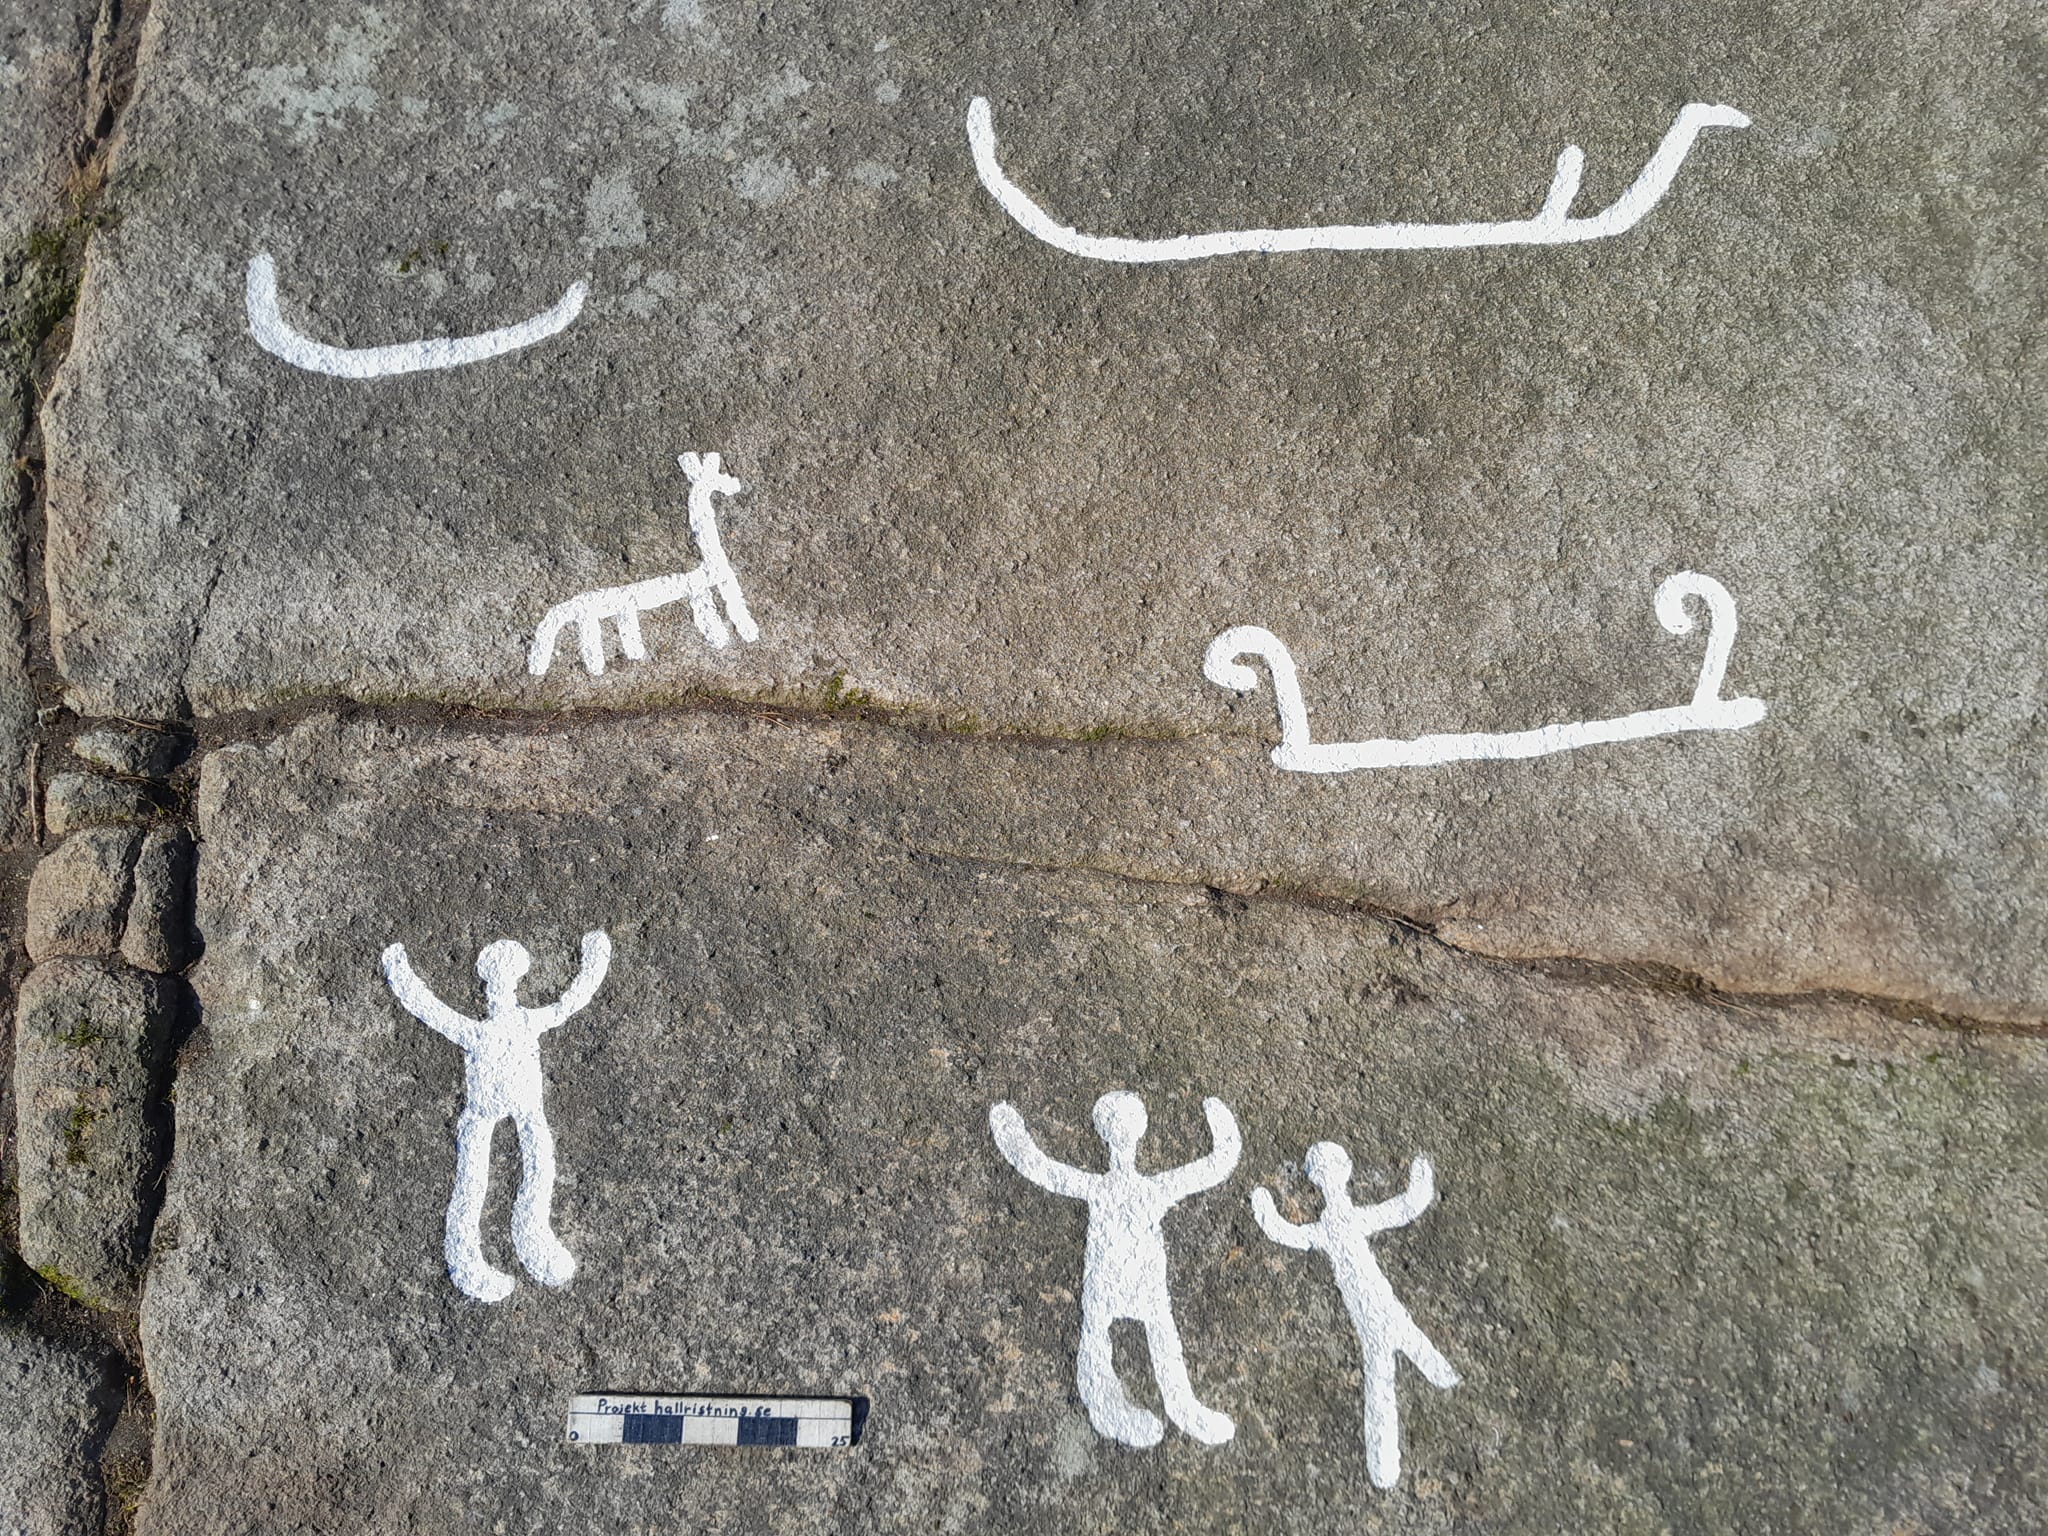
<point>301,351</point>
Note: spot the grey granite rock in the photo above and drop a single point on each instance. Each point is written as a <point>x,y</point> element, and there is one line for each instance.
<point>998,485</point>
<point>77,800</point>
<point>160,935</point>
<point>78,897</point>
<point>88,1063</point>
<point>55,1403</point>
<point>1701,1268</point>
<point>130,751</point>
<point>44,47</point>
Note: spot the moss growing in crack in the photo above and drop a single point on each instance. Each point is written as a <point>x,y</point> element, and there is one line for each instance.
<point>73,1288</point>
<point>838,696</point>
<point>39,281</point>
<point>78,1131</point>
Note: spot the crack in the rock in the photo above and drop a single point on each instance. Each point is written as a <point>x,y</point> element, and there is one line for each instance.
<point>121,1439</point>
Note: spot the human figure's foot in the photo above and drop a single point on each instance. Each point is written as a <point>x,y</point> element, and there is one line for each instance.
<point>547,1260</point>
<point>473,1277</point>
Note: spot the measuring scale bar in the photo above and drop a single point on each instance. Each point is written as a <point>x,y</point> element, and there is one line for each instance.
<point>805,1423</point>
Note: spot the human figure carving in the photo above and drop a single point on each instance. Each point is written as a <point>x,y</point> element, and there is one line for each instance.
<point>501,1069</point>
<point>1385,1330</point>
<point>1124,1272</point>
<point>713,578</point>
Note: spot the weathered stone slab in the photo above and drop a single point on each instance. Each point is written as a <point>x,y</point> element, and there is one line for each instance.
<point>998,484</point>
<point>160,935</point>
<point>55,1404</point>
<point>77,800</point>
<point>44,46</point>
<point>1700,1268</point>
<point>79,894</point>
<point>89,1041</point>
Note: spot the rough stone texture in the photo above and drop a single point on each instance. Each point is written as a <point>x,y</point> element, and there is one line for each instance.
<point>160,934</point>
<point>139,754</point>
<point>43,49</point>
<point>88,1048</point>
<point>76,800</point>
<point>44,45</point>
<point>54,1406</point>
<point>1003,486</point>
<point>78,897</point>
<point>1704,1269</point>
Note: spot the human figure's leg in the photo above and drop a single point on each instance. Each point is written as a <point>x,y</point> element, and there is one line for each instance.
<point>1170,1368</point>
<point>1110,1408</point>
<point>1439,1371</point>
<point>463,1244</point>
<point>533,1234</point>
<point>1382,1419</point>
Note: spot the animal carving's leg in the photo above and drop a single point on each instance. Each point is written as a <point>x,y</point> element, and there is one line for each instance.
<point>1170,1366</point>
<point>463,1246</point>
<point>630,644</point>
<point>1110,1408</point>
<point>705,611</point>
<point>736,607</point>
<point>532,1231</point>
<point>590,642</point>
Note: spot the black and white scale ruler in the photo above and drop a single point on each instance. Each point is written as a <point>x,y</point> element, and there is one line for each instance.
<point>806,1423</point>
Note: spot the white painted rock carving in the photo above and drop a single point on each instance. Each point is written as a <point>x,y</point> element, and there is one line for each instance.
<point>1124,1273</point>
<point>301,351</point>
<point>1385,1330</point>
<point>1297,753</point>
<point>501,1067</point>
<point>1552,225</point>
<point>713,578</point>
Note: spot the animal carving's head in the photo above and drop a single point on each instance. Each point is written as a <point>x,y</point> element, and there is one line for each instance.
<point>704,473</point>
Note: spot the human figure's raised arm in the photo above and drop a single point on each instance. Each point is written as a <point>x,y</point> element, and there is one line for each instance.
<point>1208,1172</point>
<point>1023,1154</point>
<point>1286,1233</point>
<point>597,960</point>
<point>1407,1205</point>
<point>418,999</point>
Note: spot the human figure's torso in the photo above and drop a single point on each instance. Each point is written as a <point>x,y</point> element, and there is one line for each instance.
<point>1126,1257</point>
<point>502,1072</point>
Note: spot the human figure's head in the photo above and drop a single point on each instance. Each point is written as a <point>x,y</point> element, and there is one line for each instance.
<point>500,967</point>
<point>1120,1121</point>
<point>1329,1169</point>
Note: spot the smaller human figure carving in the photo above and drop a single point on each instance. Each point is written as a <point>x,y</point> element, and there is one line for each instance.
<point>501,1070</point>
<point>1385,1330</point>
<point>1124,1272</point>
<point>712,579</point>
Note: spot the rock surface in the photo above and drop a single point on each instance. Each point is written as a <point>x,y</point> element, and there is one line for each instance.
<point>1701,1268</point>
<point>1003,486</point>
<point>79,894</point>
<point>88,1059</point>
<point>54,1407</point>
<point>160,936</point>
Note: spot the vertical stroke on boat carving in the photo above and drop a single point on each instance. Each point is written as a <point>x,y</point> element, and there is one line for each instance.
<point>1298,753</point>
<point>1553,223</point>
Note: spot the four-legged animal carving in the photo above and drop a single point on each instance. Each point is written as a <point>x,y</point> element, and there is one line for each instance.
<point>712,580</point>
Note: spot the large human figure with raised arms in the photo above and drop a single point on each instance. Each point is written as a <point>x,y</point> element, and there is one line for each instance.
<point>501,1069</point>
<point>1124,1272</point>
<point>1385,1330</point>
